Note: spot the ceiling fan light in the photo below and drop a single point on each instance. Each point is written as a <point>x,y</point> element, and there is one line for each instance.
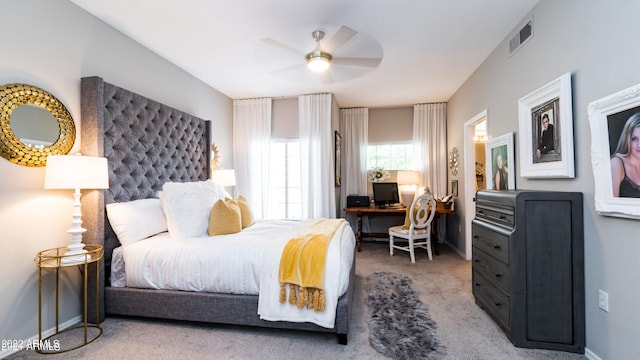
<point>318,64</point>
<point>318,61</point>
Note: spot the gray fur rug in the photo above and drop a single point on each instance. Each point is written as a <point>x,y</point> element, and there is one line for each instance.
<point>399,323</point>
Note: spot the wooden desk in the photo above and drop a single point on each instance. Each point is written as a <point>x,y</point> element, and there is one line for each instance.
<point>374,210</point>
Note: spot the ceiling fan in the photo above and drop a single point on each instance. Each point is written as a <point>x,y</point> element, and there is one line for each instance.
<point>334,54</point>
<point>318,60</point>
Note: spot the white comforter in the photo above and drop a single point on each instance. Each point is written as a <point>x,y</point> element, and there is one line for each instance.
<point>242,263</point>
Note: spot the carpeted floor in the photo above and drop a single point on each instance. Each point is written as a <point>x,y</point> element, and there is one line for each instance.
<point>444,286</point>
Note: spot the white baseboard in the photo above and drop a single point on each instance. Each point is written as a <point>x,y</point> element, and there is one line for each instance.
<point>590,355</point>
<point>455,249</point>
<point>6,352</point>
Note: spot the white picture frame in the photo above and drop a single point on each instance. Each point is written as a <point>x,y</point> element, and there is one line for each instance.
<point>546,150</point>
<point>496,150</point>
<point>607,119</point>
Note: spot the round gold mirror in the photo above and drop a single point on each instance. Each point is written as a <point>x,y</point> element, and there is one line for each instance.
<point>34,124</point>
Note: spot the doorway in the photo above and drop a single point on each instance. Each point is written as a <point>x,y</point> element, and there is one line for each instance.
<point>474,170</point>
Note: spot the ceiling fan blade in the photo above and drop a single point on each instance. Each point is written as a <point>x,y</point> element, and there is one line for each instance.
<point>288,68</point>
<point>283,46</point>
<point>326,78</point>
<point>366,62</point>
<point>341,37</point>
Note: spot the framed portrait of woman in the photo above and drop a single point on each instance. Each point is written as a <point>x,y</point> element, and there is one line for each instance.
<point>500,163</point>
<point>545,120</point>
<point>615,152</point>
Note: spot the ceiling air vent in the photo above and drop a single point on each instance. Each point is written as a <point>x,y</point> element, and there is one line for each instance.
<point>521,37</point>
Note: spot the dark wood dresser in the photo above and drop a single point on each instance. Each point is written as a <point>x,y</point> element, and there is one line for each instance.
<point>528,266</point>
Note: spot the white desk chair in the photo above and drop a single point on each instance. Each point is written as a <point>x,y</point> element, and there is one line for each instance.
<point>421,214</point>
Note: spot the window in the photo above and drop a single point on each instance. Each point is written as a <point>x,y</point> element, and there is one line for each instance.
<point>390,156</point>
<point>285,197</point>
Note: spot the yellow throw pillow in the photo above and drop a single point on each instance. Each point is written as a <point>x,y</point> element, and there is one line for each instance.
<point>225,218</point>
<point>407,218</point>
<point>245,212</point>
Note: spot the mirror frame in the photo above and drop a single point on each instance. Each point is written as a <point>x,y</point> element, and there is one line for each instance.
<point>14,150</point>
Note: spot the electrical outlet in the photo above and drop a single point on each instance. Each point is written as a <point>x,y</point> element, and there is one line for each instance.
<point>603,300</point>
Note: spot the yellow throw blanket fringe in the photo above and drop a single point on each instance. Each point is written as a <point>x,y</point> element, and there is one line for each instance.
<point>302,266</point>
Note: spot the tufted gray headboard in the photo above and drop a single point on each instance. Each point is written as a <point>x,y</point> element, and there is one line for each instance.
<point>146,144</point>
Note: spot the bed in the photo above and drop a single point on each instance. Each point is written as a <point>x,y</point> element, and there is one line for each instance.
<point>162,145</point>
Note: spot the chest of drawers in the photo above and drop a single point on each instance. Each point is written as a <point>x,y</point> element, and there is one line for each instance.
<point>528,266</point>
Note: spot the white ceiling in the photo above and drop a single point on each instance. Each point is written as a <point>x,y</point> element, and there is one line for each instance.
<point>428,47</point>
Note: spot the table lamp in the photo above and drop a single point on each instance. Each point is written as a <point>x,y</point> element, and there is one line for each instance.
<point>224,177</point>
<point>408,181</point>
<point>76,172</point>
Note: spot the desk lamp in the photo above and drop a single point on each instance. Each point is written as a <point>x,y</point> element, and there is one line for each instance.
<point>224,177</point>
<point>408,181</point>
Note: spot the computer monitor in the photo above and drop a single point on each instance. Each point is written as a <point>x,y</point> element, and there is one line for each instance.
<point>385,193</point>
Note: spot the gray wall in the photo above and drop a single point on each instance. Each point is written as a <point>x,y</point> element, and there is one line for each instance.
<point>597,41</point>
<point>284,124</point>
<point>52,45</point>
<point>390,124</point>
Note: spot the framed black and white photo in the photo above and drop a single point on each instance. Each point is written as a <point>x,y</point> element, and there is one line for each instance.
<point>615,152</point>
<point>500,163</point>
<point>546,131</point>
<point>338,162</point>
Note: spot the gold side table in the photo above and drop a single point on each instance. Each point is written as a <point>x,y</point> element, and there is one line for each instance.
<point>56,259</point>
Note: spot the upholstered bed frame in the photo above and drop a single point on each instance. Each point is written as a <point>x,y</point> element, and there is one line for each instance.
<point>147,144</point>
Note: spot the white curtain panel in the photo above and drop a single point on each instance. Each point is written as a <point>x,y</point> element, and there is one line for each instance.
<point>251,139</point>
<point>316,154</point>
<point>430,145</point>
<point>355,137</point>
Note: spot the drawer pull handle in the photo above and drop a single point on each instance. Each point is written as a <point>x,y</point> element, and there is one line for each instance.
<point>496,246</point>
<point>498,276</point>
<point>477,284</point>
<point>502,217</point>
<point>476,260</point>
<point>497,303</point>
<point>476,236</point>
<point>481,212</point>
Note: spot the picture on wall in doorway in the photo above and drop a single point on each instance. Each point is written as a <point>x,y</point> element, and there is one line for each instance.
<point>546,131</point>
<point>500,163</point>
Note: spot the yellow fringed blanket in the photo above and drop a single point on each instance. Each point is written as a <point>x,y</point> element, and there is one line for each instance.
<point>302,265</point>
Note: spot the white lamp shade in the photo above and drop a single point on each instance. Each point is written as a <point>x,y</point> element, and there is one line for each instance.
<point>408,178</point>
<point>76,172</point>
<point>224,177</point>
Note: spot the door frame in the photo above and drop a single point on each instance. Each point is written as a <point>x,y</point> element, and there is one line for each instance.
<point>470,176</point>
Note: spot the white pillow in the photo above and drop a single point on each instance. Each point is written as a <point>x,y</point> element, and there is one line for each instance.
<point>136,220</point>
<point>222,192</point>
<point>187,207</point>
